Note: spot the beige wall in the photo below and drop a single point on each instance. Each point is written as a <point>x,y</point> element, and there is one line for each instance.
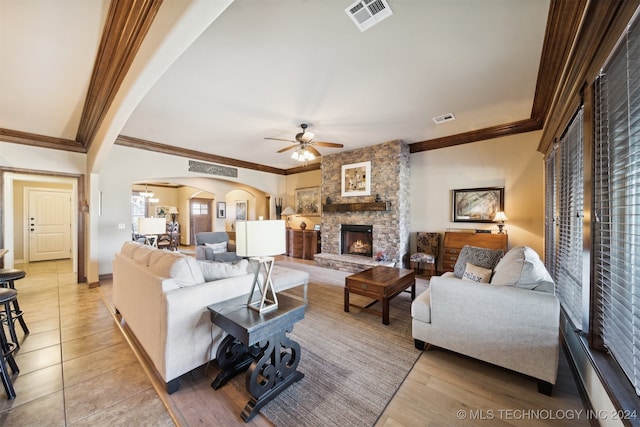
<point>297,181</point>
<point>512,162</point>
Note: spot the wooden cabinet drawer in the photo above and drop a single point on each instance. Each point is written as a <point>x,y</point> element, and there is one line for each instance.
<point>455,241</point>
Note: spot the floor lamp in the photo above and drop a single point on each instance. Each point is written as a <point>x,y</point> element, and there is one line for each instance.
<point>261,241</point>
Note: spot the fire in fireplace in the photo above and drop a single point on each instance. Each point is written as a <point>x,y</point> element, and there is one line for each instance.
<point>356,239</point>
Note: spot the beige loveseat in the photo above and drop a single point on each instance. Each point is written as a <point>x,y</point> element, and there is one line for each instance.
<point>162,297</point>
<point>512,321</point>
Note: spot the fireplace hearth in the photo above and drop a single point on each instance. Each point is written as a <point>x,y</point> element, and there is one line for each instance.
<point>356,239</point>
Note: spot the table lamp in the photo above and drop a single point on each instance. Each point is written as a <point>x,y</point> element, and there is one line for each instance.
<point>288,211</point>
<point>150,228</point>
<point>260,241</point>
<point>500,218</point>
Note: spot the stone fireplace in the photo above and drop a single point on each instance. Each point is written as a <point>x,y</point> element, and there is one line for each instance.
<point>356,239</point>
<point>385,210</point>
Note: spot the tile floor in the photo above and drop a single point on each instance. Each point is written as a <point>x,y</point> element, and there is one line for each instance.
<point>76,368</point>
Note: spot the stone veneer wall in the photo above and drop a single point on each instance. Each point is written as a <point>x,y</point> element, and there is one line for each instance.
<point>390,179</point>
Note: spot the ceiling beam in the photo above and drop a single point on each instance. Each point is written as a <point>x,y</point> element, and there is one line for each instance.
<point>498,131</point>
<point>128,22</point>
<point>128,141</point>
<point>27,138</point>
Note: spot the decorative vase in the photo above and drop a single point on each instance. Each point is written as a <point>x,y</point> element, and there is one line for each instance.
<point>303,225</point>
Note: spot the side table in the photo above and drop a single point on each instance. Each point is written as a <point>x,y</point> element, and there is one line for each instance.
<point>258,342</point>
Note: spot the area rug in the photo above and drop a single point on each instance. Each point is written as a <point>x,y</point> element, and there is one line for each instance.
<point>353,364</point>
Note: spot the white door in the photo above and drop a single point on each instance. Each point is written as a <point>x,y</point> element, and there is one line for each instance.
<point>49,224</point>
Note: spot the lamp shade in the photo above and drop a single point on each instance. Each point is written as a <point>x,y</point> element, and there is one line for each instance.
<point>288,211</point>
<point>152,225</point>
<point>173,210</point>
<point>500,216</point>
<point>260,238</point>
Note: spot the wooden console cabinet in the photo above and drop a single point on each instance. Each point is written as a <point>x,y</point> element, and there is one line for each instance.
<point>455,241</point>
<point>302,243</point>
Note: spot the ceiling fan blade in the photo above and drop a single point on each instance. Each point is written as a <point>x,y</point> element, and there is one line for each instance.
<point>314,151</point>
<point>280,139</point>
<point>328,144</point>
<point>288,148</point>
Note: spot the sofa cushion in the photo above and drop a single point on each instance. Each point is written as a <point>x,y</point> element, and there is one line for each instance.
<point>184,269</point>
<point>129,248</point>
<point>421,307</point>
<point>474,273</point>
<point>522,267</point>
<point>285,278</point>
<point>482,257</point>
<point>142,255</point>
<point>217,248</point>
<point>213,270</point>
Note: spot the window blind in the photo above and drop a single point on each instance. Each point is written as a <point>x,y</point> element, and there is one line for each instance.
<point>568,254</point>
<point>550,214</point>
<point>617,205</point>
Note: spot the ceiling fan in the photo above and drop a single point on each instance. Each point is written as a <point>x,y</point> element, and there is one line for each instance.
<point>304,145</point>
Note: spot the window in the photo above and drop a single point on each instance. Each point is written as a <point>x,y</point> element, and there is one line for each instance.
<point>198,208</point>
<point>138,209</point>
<point>550,208</point>
<point>617,206</point>
<point>564,211</point>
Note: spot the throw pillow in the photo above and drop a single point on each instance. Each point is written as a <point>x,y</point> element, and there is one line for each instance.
<point>213,270</point>
<point>522,267</point>
<point>217,248</point>
<point>183,269</point>
<point>482,257</point>
<point>473,273</point>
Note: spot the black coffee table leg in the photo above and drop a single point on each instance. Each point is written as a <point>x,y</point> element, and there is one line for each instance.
<point>233,357</point>
<point>272,373</point>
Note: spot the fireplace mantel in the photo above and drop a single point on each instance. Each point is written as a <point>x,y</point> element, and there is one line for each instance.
<point>356,207</point>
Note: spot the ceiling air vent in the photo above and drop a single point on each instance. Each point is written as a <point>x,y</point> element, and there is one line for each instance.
<point>367,13</point>
<point>444,118</point>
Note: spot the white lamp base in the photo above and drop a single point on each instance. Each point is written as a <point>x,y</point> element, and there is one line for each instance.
<point>264,304</point>
<point>151,240</point>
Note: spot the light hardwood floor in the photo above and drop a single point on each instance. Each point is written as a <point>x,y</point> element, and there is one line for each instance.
<point>79,367</point>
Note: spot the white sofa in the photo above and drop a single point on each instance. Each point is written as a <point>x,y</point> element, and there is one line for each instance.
<point>512,321</point>
<point>162,297</point>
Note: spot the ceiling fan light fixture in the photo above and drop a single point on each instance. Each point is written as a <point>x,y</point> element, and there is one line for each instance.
<point>308,155</point>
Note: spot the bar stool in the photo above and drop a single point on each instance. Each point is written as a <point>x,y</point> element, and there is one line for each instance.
<point>7,277</point>
<point>7,296</point>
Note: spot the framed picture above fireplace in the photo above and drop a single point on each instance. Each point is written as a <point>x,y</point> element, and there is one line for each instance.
<point>356,179</point>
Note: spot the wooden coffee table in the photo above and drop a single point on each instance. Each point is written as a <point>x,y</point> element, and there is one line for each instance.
<point>381,284</point>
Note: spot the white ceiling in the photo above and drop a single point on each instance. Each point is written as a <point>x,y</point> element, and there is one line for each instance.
<point>264,67</point>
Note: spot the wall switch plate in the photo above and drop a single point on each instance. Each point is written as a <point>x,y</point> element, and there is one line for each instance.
<point>121,226</point>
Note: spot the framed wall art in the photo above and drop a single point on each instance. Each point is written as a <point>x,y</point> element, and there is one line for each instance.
<point>162,211</point>
<point>477,204</point>
<point>241,210</point>
<point>356,179</point>
<point>221,211</point>
<point>307,201</point>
